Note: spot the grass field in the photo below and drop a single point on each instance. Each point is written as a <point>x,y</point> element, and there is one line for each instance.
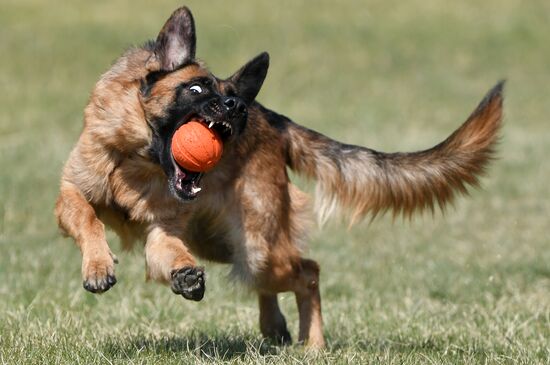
<point>470,286</point>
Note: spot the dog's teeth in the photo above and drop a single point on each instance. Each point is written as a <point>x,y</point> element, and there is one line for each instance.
<point>195,189</point>
<point>210,125</point>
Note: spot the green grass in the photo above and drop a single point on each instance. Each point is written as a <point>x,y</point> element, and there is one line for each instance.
<point>470,286</point>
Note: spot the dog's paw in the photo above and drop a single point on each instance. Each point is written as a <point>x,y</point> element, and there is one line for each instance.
<point>274,328</point>
<point>98,274</point>
<point>280,337</point>
<point>189,282</point>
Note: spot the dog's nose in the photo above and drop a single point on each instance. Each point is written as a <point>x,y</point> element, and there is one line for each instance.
<point>234,105</point>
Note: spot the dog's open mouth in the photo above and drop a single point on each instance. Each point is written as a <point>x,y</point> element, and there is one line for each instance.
<point>186,182</point>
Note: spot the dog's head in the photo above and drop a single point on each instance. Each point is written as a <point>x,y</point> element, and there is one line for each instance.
<point>179,88</point>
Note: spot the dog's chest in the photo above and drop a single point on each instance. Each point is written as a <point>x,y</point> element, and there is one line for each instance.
<point>211,226</point>
<point>214,227</point>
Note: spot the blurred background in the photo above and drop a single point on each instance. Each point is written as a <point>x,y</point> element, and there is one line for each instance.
<point>470,285</point>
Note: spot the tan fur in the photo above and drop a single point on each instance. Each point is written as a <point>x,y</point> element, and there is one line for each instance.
<point>248,214</point>
<point>165,252</point>
<point>88,232</point>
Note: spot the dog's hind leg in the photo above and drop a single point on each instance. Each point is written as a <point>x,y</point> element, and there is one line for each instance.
<point>78,219</point>
<point>302,278</point>
<point>272,321</point>
<point>273,221</point>
<point>169,261</point>
<point>308,299</point>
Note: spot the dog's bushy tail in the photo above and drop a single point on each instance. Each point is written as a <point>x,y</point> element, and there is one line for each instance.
<point>368,182</point>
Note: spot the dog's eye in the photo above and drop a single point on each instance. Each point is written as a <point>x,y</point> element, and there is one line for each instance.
<point>195,89</point>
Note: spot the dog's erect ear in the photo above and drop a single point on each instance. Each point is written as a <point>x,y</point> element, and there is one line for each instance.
<point>175,44</point>
<point>249,79</point>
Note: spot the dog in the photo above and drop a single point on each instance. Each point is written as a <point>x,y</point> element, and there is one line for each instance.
<point>245,211</point>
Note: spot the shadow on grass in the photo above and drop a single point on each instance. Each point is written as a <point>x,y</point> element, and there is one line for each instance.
<point>225,346</point>
<point>220,346</point>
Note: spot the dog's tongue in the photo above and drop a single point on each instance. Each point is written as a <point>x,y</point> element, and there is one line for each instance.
<point>180,174</point>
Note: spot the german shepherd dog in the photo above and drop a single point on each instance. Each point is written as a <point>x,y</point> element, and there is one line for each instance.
<point>245,211</point>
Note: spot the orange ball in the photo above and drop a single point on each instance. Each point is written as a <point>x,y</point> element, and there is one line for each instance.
<point>196,147</point>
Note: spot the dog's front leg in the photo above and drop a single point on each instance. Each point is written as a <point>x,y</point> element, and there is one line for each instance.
<point>169,261</point>
<point>78,219</point>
